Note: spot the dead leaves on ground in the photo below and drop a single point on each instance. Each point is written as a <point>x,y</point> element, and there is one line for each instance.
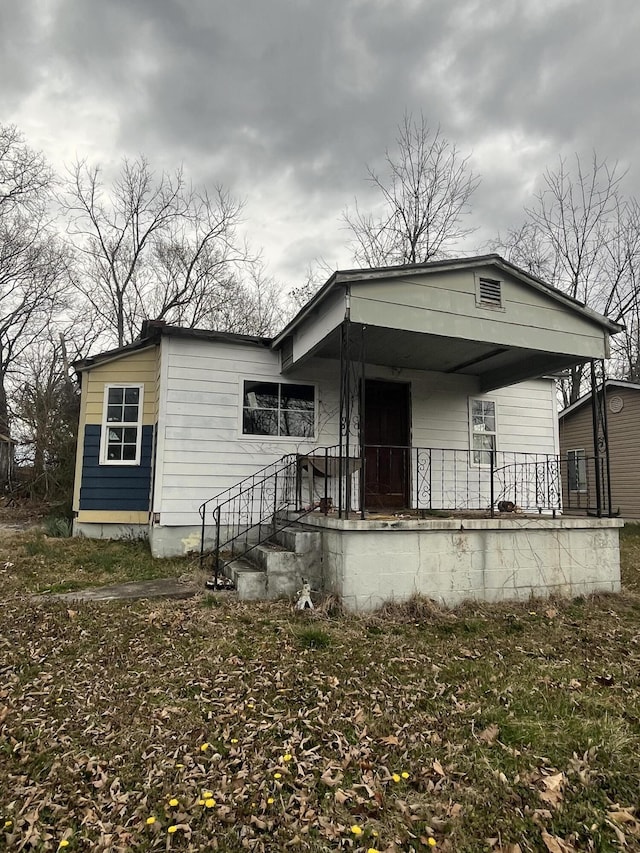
<point>105,712</point>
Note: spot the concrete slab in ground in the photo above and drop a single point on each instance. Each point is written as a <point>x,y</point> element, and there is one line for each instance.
<point>160,588</point>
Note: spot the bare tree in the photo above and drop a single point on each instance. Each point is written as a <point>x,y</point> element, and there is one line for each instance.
<point>582,236</point>
<point>423,198</point>
<point>45,409</point>
<point>25,177</point>
<point>33,266</point>
<point>151,246</point>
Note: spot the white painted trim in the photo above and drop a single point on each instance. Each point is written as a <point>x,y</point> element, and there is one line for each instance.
<point>105,425</point>
<point>586,472</point>
<point>484,399</point>
<point>554,416</point>
<point>160,426</point>
<point>280,381</point>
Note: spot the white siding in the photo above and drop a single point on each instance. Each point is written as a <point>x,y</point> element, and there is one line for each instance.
<point>203,449</point>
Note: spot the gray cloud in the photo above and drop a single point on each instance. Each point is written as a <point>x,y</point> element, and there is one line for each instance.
<point>286,101</point>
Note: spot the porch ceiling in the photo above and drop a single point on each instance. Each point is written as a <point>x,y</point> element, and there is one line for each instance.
<point>495,365</point>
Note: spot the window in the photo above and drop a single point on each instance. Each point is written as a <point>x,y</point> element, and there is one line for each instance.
<point>122,425</point>
<point>576,471</point>
<point>483,430</point>
<point>489,292</point>
<point>278,409</point>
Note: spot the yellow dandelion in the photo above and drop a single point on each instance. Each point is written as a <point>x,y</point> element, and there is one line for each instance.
<point>395,777</point>
<point>251,706</point>
<point>203,748</point>
<point>270,801</point>
<point>206,795</point>
<point>209,802</point>
<point>404,774</point>
<point>431,841</point>
<point>372,850</point>
<point>200,802</point>
<point>151,820</point>
<point>63,843</point>
<point>287,757</point>
<point>277,775</point>
<point>8,823</point>
<point>234,740</point>
<point>171,829</point>
<point>356,830</point>
<point>173,801</point>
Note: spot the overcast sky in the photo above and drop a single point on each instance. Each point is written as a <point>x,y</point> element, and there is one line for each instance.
<point>285,101</point>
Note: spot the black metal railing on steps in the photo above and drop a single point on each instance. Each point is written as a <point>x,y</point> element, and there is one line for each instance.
<point>249,513</point>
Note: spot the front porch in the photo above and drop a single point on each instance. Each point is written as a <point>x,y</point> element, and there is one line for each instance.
<point>493,532</point>
<point>366,563</point>
<point>449,560</point>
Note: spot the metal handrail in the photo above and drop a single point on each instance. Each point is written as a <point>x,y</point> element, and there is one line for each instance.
<point>265,480</point>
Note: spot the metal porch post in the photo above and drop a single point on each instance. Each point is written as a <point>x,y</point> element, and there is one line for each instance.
<point>600,439</point>
<point>340,420</point>
<point>347,415</point>
<point>363,460</point>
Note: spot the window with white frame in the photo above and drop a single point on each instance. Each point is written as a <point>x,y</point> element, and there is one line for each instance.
<point>576,470</point>
<point>278,409</point>
<point>483,430</point>
<point>121,425</point>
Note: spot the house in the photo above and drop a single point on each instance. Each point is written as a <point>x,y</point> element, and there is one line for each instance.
<point>620,403</point>
<point>395,415</point>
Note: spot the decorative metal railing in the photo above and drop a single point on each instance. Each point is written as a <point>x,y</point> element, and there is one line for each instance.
<point>386,477</point>
<point>253,510</point>
<point>432,479</point>
<point>586,486</point>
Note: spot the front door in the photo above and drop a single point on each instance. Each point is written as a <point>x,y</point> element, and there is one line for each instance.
<point>386,438</point>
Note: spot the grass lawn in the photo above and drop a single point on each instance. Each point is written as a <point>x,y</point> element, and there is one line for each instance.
<point>208,724</point>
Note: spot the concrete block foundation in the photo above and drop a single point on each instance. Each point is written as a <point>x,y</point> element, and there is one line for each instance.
<point>370,562</point>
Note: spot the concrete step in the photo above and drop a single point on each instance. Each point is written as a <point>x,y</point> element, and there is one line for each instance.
<point>299,539</point>
<point>275,569</point>
<point>273,557</point>
<point>249,579</point>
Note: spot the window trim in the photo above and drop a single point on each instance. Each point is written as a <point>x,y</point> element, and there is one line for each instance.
<point>279,438</point>
<point>495,432</point>
<point>105,425</point>
<point>583,490</point>
<point>489,306</point>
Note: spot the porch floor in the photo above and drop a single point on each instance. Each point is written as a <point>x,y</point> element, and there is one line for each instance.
<point>374,515</point>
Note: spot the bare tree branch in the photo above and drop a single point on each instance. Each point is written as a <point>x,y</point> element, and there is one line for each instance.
<point>151,246</point>
<point>424,196</point>
<point>582,235</point>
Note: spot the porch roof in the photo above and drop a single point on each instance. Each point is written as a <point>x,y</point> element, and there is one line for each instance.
<point>433,317</point>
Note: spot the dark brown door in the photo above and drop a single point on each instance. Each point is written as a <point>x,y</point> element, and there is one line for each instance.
<point>386,438</point>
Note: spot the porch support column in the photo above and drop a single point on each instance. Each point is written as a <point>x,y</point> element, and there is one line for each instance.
<point>344,476</point>
<point>602,462</point>
<point>363,460</point>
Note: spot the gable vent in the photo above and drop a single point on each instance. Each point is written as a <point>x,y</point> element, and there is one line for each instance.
<point>490,292</point>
